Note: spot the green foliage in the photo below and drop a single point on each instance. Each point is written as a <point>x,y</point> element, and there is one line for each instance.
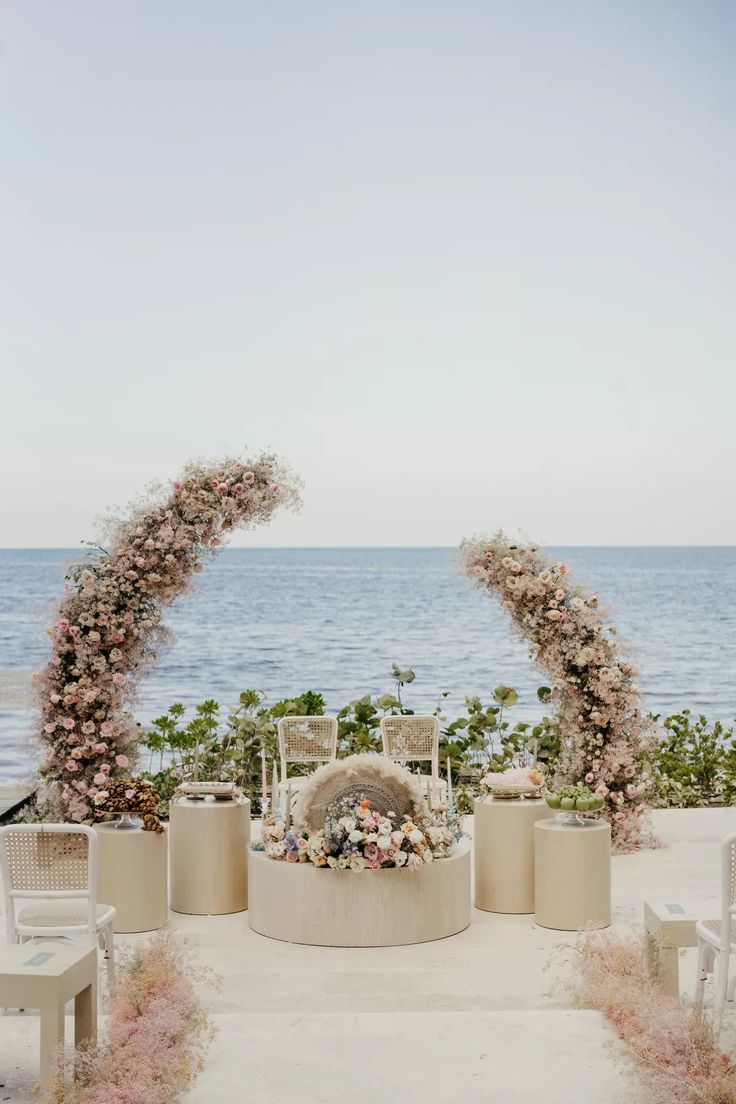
<point>695,763</point>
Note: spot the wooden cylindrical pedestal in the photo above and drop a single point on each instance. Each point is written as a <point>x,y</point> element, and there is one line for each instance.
<point>503,851</point>
<point>299,903</point>
<point>572,875</point>
<point>132,875</point>
<point>209,856</point>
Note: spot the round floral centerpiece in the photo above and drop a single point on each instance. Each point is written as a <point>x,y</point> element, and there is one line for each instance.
<point>361,813</point>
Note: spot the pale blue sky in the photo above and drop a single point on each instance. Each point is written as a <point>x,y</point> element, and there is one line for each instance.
<point>466,264</point>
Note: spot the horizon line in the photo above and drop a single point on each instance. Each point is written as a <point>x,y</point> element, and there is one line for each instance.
<point>358,547</point>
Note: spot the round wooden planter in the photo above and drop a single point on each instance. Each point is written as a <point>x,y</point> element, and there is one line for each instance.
<point>208,846</point>
<point>299,903</point>
<point>503,849</point>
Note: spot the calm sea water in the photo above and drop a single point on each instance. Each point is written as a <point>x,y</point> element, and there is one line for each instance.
<point>286,620</point>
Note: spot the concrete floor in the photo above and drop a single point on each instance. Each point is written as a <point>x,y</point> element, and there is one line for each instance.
<point>482,1016</point>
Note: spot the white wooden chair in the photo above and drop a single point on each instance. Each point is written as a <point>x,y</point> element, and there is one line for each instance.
<point>304,740</point>
<point>413,738</point>
<point>717,938</point>
<point>54,868</point>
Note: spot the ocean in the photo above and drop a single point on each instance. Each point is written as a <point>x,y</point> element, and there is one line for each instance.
<point>334,619</point>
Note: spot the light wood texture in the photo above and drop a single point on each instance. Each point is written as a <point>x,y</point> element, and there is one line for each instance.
<point>208,843</point>
<point>669,924</point>
<point>70,972</point>
<point>503,852</point>
<point>299,903</point>
<point>133,875</point>
<point>572,875</point>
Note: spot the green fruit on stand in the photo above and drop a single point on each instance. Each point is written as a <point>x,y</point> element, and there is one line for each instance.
<point>583,804</point>
<point>567,803</point>
<point>553,800</point>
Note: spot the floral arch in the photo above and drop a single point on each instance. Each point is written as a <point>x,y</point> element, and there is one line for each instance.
<point>108,632</point>
<point>604,731</point>
<point>108,627</point>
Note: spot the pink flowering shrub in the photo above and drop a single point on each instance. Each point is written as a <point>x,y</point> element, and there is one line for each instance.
<point>674,1048</point>
<point>604,732</point>
<point>108,626</point>
<point>157,1036</point>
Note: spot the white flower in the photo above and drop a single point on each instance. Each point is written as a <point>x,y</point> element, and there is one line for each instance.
<point>400,858</point>
<point>357,863</point>
<point>427,856</point>
<point>416,836</point>
<point>384,841</point>
<point>356,836</point>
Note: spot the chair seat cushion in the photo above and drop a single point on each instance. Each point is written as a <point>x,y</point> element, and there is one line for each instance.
<point>60,914</point>
<point>710,931</point>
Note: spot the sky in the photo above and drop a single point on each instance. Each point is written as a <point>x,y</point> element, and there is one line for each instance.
<point>464,264</point>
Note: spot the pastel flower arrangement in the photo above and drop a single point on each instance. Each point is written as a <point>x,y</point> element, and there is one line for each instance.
<point>357,837</point>
<point>108,630</point>
<point>158,1032</point>
<point>674,1049</point>
<point>605,734</point>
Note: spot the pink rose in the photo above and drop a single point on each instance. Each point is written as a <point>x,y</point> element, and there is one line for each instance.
<point>105,768</point>
<point>99,749</point>
<point>589,777</point>
<point>71,765</point>
<point>99,779</point>
<point>291,856</point>
<point>68,723</point>
<point>118,679</point>
<point>122,760</point>
<point>238,489</point>
<point>76,753</point>
<point>63,624</point>
<point>106,728</point>
<point>222,488</point>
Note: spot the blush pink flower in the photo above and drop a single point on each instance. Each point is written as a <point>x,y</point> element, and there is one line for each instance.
<point>122,760</point>
<point>72,765</point>
<point>68,723</point>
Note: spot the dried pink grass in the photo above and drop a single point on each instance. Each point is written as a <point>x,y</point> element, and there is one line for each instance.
<point>108,631</point>
<point>674,1048</point>
<point>158,1033</point>
<point>605,734</point>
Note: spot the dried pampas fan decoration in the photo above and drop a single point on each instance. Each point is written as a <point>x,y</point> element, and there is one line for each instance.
<point>387,785</point>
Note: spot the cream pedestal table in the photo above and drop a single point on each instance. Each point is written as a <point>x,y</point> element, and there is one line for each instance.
<point>299,903</point>
<point>669,925</point>
<point>45,975</point>
<point>208,843</point>
<point>133,875</point>
<point>503,853</point>
<point>572,868</point>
